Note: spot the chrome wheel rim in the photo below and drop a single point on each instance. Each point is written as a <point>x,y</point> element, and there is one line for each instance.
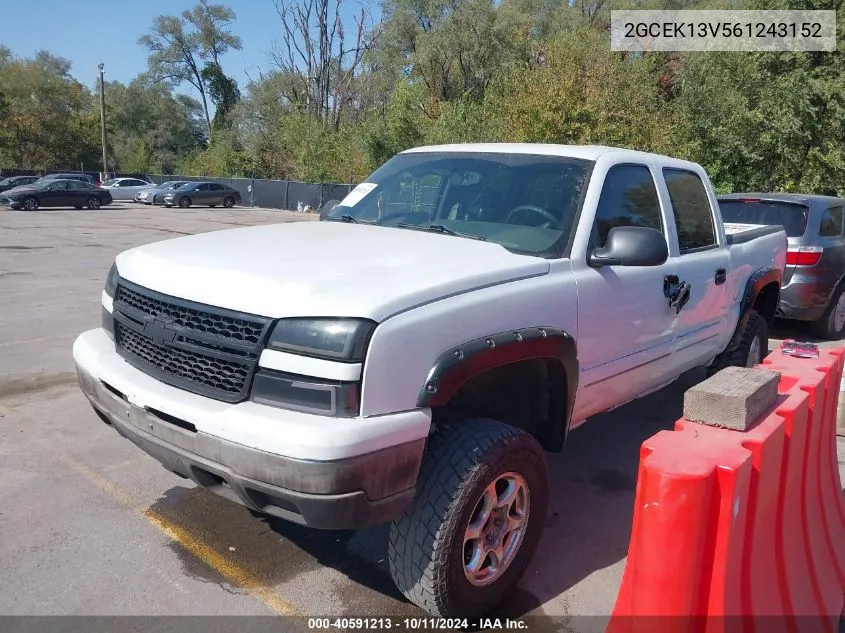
<point>496,529</point>
<point>30,204</point>
<point>839,313</point>
<point>754,353</point>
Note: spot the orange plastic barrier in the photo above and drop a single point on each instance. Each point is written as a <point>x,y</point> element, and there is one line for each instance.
<point>742,531</point>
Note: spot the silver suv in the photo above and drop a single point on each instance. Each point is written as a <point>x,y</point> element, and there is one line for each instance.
<point>813,288</point>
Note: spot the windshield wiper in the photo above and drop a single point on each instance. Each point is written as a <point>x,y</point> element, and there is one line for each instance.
<point>439,228</point>
<point>348,218</point>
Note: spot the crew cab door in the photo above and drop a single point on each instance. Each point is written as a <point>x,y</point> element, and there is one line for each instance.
<point>625,325</point>
<point>702,263</point>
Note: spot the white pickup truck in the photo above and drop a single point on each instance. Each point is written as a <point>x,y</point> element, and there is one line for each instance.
<point>410,358</point>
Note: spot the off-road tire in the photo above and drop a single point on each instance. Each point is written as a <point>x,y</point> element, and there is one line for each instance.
<point>826,327</point>
<point>738,357</point>
<point>426,545</point>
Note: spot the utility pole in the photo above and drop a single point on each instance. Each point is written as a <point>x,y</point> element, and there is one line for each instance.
<point>103,120</point>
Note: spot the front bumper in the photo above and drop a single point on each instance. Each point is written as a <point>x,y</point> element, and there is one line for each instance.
<point>349,492</point>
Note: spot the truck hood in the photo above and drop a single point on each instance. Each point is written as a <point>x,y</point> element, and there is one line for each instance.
<point>313,268</point>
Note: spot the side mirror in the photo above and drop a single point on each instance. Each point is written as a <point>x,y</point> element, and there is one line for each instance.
<point>631,246</point>
<point>327,208</point>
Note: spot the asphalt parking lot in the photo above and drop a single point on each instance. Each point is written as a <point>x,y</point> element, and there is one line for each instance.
<point>90,525</point>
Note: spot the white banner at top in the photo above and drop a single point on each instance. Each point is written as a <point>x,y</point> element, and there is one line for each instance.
<point>694,30</point>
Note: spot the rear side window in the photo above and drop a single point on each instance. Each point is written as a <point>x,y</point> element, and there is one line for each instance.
<point>691,208</point>
<point>628,198</point>
<point>790,215</point>
<point>831,224</point>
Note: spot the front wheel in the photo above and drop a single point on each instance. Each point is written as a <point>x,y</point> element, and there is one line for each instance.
<point>30,204</point>
<point>832,325</point>
<point>228,202</point>
<point>93,203</point>
<point>752,348</point>
<point>184,203</point>
<point>480,509</point>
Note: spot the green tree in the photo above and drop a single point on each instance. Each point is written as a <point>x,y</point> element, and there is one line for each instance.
<point>169,126</point>
<point>48,119</point>
<point>180,46</point>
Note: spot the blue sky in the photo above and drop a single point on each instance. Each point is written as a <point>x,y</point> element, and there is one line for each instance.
<point>91,31</point>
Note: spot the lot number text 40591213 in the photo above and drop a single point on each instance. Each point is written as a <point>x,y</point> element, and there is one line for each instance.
<point>418,623</point>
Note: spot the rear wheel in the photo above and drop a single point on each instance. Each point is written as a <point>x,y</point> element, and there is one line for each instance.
<point>93,203</point>
<point>228,202</point>
<point>185,202</point>
<point>752,348</point>
<point>478,515</point>
<point>30,204</point>
<point>832,325</point>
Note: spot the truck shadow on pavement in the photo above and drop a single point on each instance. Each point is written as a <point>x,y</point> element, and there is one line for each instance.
<point>587,529</point>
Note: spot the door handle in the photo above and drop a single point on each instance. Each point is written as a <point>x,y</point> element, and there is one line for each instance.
<point>721,276</point>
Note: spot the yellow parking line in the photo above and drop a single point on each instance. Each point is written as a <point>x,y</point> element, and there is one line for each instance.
<point>115,491</point>
<point>234,574</point>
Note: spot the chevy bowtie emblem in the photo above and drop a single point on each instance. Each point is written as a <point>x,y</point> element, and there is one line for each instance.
<point>159,330</point>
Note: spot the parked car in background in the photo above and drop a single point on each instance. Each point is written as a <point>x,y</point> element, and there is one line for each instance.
<point>814,280</point>
<point>56,193</point>
<point>202,194</point>
<point>72,176</point>
<point>126,188</point>
<point>155,194</point>
<point>16,181</point>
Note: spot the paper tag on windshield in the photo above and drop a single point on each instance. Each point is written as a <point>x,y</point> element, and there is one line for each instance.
<point>355,196</point>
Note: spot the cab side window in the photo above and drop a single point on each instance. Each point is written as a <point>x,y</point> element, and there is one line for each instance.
<point>628,198</point>
<point>691,208</point>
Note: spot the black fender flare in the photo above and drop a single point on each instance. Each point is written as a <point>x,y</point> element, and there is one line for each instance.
<point>756,282</point>
<point>459,364</point>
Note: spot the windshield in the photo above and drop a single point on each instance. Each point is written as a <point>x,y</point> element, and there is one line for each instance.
<point>188,186</point>
<point>526,203</point>
<point>790,215</point>
<point>110,182</point>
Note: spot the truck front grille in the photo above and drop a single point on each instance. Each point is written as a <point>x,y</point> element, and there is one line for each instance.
<point>196,347</point>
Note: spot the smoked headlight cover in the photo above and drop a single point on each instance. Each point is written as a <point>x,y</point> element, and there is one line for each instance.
<point>340,339</point>
<point>111,281</point>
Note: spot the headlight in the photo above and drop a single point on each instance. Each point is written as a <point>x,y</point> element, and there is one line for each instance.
<point>111,281</point>
<point>327,338</point>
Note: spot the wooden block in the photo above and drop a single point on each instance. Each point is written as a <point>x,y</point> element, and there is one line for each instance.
<point>734,398</point>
